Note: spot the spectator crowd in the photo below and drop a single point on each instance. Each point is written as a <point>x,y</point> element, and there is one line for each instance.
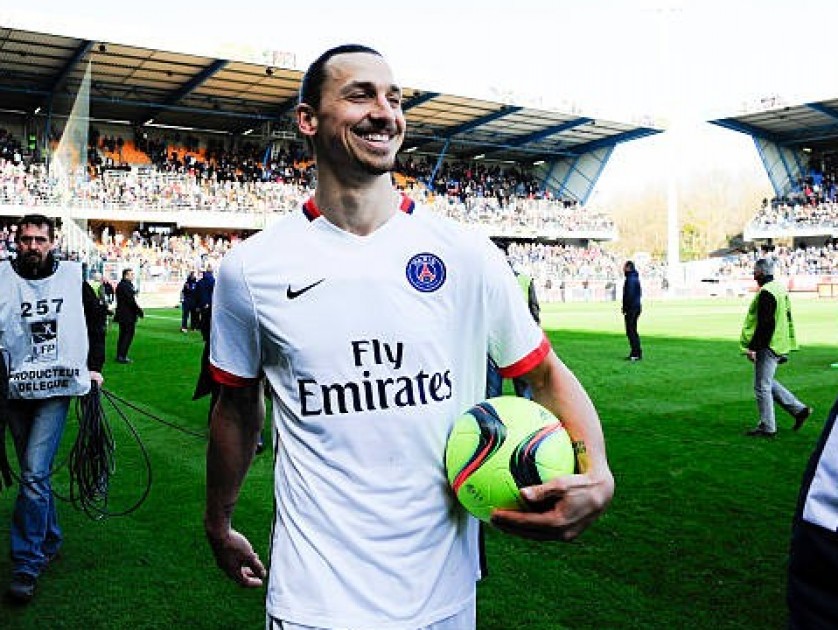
<point>556,241</point>
<point>800,261</point>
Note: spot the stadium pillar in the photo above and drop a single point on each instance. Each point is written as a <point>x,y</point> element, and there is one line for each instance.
<point>669,20</point>
<point>672,242</point>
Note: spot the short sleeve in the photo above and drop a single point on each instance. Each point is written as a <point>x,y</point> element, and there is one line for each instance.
<point>516,342</point>
<point>234,337</point>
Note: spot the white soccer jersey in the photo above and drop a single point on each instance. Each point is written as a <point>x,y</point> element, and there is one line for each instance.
<point>372,346</point>
<point>820,506</point>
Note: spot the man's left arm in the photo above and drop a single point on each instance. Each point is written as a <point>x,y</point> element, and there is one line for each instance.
<point>136,305</point>
<point>564,507</point>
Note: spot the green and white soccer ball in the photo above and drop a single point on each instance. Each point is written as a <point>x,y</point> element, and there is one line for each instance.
<point>501,445</point>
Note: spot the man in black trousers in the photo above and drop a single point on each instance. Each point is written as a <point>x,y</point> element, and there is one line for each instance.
<point>202,298</point>
<point>127,313</point>
<point>631,309</point>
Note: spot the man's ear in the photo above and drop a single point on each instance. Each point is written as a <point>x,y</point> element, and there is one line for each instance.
<point>306,120</point>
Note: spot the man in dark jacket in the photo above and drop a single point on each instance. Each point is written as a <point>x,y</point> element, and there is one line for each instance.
<point>52,331</point>
<point>203,296</point>
<point>187,303</point>
<point>631,309</point>
<point>127,313</point>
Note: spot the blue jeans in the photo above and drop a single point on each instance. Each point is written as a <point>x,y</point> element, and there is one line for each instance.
<point>37,427</point>
<point>768,390</point>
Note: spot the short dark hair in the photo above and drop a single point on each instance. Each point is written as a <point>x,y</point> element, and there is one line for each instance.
<point>765,265</point>
<point>312,84</point>
<point>629,266</point>
<point>37,220</point>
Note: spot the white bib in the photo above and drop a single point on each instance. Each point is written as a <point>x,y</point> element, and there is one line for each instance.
<point>42,326</point>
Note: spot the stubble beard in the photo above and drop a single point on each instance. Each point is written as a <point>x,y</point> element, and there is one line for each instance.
<point>379,169</point>
<point>368,165</point>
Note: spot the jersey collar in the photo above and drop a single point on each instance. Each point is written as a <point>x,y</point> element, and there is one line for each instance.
<point>312,212</point>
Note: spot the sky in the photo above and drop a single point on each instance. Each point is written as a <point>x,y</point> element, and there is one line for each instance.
<point>676,62</point>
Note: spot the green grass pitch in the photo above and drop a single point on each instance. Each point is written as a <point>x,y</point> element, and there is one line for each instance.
<point>696,537</point>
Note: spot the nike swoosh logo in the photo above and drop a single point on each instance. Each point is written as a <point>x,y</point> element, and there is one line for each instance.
<point>291,294</point>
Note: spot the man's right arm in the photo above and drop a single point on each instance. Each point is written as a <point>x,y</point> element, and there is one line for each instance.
<point>236,423</point>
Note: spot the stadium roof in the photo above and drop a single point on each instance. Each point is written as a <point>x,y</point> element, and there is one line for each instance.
<point>809,126</point>
<point>786,137</point>
<point>145,86</point>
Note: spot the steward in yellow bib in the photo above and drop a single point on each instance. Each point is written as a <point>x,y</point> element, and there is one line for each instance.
<point>528,289</point>
<point>494,381</point>
<point>767,338</point>
<point>770,307</point>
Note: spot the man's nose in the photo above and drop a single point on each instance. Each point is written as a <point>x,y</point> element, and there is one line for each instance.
<point>383,107</point>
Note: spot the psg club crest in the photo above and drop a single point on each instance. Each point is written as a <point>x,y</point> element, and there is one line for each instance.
<point>425,272</point>
<point>44,340</point>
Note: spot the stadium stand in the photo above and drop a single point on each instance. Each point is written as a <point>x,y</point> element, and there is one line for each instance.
<point>798,145</point>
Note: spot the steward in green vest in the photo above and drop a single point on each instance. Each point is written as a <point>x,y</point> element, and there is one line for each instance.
<point>524,281</point>
<point>767,338</point>
<point>528,289</point>
<point>96,285</point>
<point>769,322</point>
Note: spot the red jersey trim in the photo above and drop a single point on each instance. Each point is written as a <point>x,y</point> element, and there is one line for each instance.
<point>407,204</point>
<point>312,212</point>
<point>528,362</point>
<point>230,380</point>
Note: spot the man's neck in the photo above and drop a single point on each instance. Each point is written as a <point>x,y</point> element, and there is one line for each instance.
<point>359,210</point>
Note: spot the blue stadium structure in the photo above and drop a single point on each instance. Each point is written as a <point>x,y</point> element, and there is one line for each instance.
<point>786,137</point>
<point>798,146</point>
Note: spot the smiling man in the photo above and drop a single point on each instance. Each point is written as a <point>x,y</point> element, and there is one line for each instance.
<point>370,319</point>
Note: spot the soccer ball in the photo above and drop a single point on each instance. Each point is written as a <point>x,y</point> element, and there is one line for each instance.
<point>501,445</point>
